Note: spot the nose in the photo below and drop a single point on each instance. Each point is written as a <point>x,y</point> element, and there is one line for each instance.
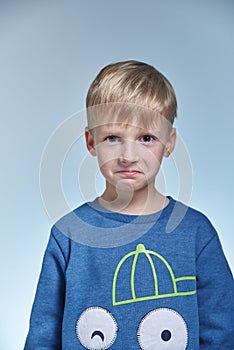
<point>128,152</point>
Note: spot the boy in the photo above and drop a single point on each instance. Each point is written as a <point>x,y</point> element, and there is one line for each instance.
<point>133,269</point>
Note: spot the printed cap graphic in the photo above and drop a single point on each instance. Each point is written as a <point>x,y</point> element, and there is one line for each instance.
<point>133,258</point>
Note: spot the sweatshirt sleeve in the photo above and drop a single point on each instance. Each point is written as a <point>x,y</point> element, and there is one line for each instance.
<point>47,312</point>
<point>215,289</point>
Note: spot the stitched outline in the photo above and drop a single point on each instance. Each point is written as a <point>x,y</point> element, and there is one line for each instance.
<point>161,309</point>
<point>107,346</point>
<point>139,250</point>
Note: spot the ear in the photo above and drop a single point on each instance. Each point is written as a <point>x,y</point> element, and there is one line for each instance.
<point>170,143</point>
<point>90,144</point>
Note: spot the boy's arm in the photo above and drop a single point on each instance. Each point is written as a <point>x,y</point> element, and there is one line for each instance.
<point>47,312</point>
<point>215,287</point>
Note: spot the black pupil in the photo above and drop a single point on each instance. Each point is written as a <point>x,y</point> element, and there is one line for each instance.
<point>147,138</point>
<point>166,335</point>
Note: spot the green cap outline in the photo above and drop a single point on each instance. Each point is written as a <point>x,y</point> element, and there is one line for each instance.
<point>139,250</point>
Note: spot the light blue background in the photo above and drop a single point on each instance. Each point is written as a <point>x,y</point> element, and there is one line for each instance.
<point>50,52</point>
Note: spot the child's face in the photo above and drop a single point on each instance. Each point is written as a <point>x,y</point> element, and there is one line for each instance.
<point>129,156</point>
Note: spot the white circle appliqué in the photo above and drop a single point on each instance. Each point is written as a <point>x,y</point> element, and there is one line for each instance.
<point>163,329</point>
<point>96,328</point>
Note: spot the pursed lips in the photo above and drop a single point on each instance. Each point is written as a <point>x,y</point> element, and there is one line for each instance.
<point>129,172</point>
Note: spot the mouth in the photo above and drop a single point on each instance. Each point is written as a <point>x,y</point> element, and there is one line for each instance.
<point>129,173</point>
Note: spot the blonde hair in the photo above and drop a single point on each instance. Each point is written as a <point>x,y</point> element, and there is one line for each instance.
<point>132,84</point>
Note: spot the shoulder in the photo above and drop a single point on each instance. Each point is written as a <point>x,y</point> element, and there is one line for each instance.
<point>70,219</point>
<point>188,217</point>
<point>197,218</point>
<point>194,222</point>
<point>78,224</point>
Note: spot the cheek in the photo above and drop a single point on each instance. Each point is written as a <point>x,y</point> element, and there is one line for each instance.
<point>105,159</point>
<point>154,155</point>
<point>106,155</point>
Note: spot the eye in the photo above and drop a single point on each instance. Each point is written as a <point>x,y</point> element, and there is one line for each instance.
<point>96,328</point>
<point>162,329</point>
<point>112,138</point>
<point>147,139</point>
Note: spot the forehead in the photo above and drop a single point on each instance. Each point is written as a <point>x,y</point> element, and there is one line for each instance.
<point>121,127</point>
<point>125,113</point>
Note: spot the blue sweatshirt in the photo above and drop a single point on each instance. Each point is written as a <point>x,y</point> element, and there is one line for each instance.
<point>111,280</point>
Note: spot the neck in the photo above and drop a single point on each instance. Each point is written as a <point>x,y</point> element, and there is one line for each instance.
<point>142,202</point>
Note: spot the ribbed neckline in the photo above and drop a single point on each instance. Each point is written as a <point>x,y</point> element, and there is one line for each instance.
<point>95,205</point>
